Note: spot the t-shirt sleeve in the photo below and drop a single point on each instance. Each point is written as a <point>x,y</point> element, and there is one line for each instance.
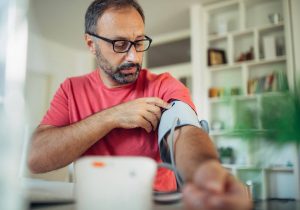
<point>172,89</point>
<point>58,112</point>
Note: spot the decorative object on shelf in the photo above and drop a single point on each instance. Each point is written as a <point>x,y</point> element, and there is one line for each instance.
<point>246,56</point>
<point>217,125</point>
<point>280,46</point>
<point>269,43</point>
<point>216,57</point>
<point>213,92</point>
<point>234,91</point>
<point>253,189</point>
<point>222,27</point>
<point>226,155</point>
<point>275,18</point>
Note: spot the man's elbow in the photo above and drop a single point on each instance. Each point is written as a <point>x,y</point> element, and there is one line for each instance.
<point>36,159</point>
<point>33,163</point>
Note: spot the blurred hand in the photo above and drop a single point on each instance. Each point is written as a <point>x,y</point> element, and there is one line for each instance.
<point>213,188</point>
<point>142,112</point>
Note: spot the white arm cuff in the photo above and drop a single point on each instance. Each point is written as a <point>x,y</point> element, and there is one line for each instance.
<point>186,116</point>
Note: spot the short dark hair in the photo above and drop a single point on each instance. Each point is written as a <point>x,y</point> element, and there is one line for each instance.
<point>98,7</point>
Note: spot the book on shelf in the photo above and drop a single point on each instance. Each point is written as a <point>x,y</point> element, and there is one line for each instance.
<point>274,82</point>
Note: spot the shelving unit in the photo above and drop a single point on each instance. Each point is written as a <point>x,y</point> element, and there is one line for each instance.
<point>243,83</point>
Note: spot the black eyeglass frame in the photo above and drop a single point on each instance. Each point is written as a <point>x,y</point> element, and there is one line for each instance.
<point>117,40</point>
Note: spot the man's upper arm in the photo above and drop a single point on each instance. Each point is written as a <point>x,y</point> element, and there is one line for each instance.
<point>58,112</point>
<point>172,89</point>
<point>180,114</point>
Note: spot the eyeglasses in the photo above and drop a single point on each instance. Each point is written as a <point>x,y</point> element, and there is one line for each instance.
<point>123,46</point>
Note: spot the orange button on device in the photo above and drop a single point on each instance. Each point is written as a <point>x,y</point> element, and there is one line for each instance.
<point>98,164</point>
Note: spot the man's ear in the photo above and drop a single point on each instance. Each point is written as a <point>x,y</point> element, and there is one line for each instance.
<point>90,43</point>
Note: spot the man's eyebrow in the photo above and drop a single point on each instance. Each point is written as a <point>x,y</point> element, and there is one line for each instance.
<point>126,38</point>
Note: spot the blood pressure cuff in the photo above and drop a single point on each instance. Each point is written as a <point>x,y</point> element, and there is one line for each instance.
<point>186,116</point>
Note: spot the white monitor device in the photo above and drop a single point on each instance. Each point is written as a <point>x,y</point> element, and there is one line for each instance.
<point>110,183</point>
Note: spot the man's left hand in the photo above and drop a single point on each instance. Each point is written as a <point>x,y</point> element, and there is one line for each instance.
<point>213,187</point>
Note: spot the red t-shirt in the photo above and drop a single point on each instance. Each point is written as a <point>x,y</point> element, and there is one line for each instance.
<point>79,97</point>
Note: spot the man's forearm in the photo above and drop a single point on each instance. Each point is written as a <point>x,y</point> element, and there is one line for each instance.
<point>193,146</point>
<point>56,147</point>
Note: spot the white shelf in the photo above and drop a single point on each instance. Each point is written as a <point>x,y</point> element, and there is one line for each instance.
<point>216,37</point>
<point>270,27</point>
<point>212,8</point>
<point>241,167</point>
<point>237,132</point>
<point>242,33</point>
<point>225,99</point>
<point>261,29</point>
<point>171,37</point>
<point>252,167</point>
<point>225,67</point>
<point>267,61</point>
<point>245,97</point>
<point>280,169</point>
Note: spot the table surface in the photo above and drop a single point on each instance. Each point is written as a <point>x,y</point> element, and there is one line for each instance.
<point>261,205</point>
<point>39,189</point>
<point>54,195</point>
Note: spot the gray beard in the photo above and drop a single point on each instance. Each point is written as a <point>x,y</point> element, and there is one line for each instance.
<point>115,73</point>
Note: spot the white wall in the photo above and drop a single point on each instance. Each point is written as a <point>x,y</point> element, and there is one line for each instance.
<point>56,60</point>
<point>48,64</point>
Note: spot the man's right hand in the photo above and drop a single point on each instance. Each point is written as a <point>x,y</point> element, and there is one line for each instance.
<point>142,112</point>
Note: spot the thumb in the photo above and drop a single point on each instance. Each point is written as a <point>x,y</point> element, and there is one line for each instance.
<point>211,176</point>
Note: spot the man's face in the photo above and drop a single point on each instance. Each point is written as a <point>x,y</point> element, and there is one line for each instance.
<point>127,24</point>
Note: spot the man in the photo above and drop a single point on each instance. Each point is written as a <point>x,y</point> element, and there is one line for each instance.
<point>116,109</point>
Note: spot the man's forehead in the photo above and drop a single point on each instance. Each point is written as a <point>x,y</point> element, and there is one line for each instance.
<point>120,17</point>
<point>125,23</point>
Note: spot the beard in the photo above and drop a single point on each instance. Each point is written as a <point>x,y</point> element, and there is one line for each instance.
<point>115,72</point>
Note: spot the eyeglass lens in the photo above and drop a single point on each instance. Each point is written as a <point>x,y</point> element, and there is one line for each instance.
<point>124,45</point>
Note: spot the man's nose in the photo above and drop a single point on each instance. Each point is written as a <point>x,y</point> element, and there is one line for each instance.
<point>131,55</point>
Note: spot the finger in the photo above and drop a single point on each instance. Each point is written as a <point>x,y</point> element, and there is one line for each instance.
<point>211,176</point>
<point>143,123</point>
<point>158,102</point>
<point>236,187</point>
<point>193,198</point>
<point>235,197</point>
<point>150,117</point>
<point>229,202</point>
<point>154,110</point>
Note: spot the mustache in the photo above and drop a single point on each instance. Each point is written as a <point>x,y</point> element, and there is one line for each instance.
<point>129,65</point>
